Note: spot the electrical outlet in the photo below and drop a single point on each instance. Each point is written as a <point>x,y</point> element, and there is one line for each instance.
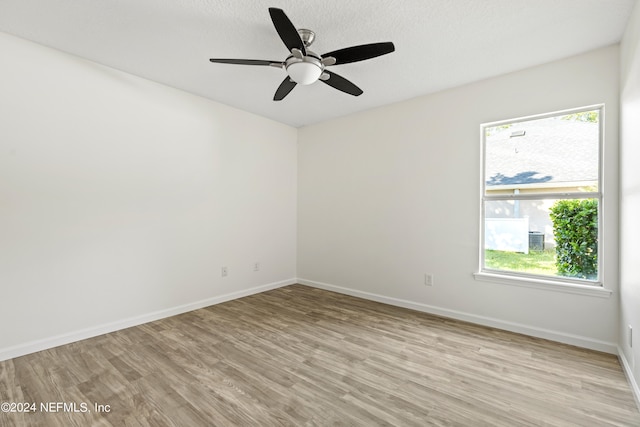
<point>256,266</point>
<point>428,279</point>
<point>630,336</point>
<point>225,271</point>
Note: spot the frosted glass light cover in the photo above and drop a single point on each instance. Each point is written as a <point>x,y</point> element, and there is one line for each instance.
<point>304,73</point>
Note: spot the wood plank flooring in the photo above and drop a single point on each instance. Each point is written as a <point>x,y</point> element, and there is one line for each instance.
<point>298,356</point>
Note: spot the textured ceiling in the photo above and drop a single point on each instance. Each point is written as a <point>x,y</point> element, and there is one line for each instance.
<point>439,43</point>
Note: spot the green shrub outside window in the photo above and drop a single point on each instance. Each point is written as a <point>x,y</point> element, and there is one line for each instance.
<point>575,229</point>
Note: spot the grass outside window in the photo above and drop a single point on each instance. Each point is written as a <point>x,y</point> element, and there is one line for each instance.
<point>535,262</point>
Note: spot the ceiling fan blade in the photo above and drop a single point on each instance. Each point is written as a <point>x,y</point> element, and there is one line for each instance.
<point>342,84</point>
<point>285,87</point>
<point>360,53</point>
<point>247,62</point>
<point>286,30</point>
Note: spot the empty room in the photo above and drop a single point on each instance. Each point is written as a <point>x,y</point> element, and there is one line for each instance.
<point>349,213</point>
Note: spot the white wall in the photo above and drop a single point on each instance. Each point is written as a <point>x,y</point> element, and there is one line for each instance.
<point>630,199</point>
<point>387,195</point>
<point>120,199</point>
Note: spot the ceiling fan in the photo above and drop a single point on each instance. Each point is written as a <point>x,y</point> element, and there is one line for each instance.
<point>306,67</point>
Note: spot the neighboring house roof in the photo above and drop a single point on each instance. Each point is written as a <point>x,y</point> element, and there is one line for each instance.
<point>551,151</point>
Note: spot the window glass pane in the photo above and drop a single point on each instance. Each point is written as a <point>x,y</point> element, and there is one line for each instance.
<point>548,237</point>
<point>553,154</point>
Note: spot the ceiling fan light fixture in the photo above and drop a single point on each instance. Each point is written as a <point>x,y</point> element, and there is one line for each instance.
<point>305,67</point>
<point>304,72</point>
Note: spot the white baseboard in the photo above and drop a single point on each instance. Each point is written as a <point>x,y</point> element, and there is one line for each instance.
<point>55,341</point>
<point>626,367</point>
<point>577,340</point>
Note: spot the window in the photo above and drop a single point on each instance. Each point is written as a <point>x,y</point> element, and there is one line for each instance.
<point>542,197</point>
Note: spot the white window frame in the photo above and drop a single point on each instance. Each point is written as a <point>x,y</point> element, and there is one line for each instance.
<point>556,283</point>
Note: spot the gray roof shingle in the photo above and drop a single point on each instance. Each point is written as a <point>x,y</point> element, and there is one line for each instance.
<point>552,150</point>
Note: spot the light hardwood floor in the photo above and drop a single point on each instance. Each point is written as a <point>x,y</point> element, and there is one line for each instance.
<point>301,356</point>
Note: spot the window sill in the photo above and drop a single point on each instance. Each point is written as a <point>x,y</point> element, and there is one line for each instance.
<point>546,284</point>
